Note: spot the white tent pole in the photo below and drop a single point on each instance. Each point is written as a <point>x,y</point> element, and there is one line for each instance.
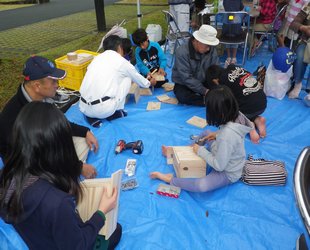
<point>139,14</point>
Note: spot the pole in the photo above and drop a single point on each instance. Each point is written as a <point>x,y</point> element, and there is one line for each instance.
<point>139,15</point>
<point>100,15</point>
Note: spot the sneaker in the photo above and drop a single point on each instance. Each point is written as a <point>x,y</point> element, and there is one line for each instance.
<point>94,122</point>
<point>117,114</point>
<point>295,92</point>
<point>301,243</point>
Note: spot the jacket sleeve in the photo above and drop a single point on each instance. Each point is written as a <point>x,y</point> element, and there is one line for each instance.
<point>183,70</point>
<point>220,159</point>
<point>129,70</point>
<point>78,130</point>
<point>78,235</point>
<point>142,68</point>
<point>161,56</point>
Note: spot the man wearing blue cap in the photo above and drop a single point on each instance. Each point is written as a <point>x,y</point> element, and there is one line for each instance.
<point>40,83</point>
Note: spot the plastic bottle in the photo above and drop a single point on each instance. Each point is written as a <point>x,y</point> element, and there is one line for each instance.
<point>216,6</point>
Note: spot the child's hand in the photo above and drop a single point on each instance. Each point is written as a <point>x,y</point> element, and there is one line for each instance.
<point>195,148</point>
<point>210,137</point>
<point>162,72</point>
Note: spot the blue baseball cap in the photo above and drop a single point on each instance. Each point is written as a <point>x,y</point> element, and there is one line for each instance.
<point>37,67</point>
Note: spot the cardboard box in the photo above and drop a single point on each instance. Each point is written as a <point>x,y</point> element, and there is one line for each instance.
<point>187,164</point>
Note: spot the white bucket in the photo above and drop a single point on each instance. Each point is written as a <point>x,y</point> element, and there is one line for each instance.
<point>154,32</point>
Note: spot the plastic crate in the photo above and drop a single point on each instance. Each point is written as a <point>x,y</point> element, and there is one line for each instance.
<point>75,72</point>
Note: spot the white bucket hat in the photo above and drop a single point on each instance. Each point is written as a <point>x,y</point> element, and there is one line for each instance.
<point>206,35</point>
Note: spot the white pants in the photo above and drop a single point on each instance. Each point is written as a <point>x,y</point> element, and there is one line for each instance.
<point>107,108</point>
<point>81,147</point>
<point>181,13</point>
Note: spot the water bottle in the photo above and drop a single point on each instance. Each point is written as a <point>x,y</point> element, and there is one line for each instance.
<point>216,6</point>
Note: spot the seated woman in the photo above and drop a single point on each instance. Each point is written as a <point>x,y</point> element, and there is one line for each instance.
<point>301,24</point>
<point>40,185</point>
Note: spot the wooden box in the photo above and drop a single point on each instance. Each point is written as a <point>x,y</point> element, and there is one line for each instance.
<point>187,164</point>
<point>92,193</point>
<point>133,91</point>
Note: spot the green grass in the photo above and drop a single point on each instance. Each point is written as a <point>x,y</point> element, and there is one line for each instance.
<point>13,6</point>
<point>56,37</point>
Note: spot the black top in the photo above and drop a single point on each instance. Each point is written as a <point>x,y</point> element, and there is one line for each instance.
<point>248,92</point>
<point>9,115</point>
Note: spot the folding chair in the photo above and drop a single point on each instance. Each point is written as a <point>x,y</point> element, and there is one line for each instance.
<point>271,33</point>
<point>233,29</point>
<point>174,34</point>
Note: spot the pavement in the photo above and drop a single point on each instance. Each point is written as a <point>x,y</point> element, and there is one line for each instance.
<point>41,12</point>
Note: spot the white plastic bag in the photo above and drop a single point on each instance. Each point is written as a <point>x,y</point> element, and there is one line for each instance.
<point>115,30</point>
<point>277,83</point>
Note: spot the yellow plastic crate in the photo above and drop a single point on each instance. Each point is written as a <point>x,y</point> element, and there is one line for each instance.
<point>75,72</point>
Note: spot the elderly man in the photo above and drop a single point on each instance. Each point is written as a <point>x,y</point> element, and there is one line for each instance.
<point>107,83</point>
<point>40,83</point>
<point>192,60</point>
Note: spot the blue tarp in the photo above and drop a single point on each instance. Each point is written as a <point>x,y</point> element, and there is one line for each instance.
<point>239,216</point>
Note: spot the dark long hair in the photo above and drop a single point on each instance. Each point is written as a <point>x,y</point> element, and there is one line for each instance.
<point>221,106</point>
<point>42,146</point>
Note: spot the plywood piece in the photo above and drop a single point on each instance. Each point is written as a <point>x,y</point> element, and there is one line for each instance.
<point>187,164</point>
<point>171,100</point>
<point>169,155</point>
<point>162,98</point>
<point>168,86</point>
<point>134,91</point>
<point>158,77</point>
<point>81,58</point>
<point>153,106</point>
<point>197,121</point>
<point>92,193</point>
<point>145,91</point>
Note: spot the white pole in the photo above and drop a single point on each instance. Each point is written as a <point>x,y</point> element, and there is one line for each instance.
<point>139,15</point>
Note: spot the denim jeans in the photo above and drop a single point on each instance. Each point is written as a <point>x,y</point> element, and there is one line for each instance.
<point>300,67</point>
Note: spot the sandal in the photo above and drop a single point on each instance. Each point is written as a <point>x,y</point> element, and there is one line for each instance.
<point>227,62</point>
<point>233,60</point>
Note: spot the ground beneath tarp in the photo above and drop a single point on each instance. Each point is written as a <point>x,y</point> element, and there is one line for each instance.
<point>234,217</point>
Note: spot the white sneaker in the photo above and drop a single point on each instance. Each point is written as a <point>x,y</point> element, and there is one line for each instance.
<point>307,100</point>
<point>295,91</point>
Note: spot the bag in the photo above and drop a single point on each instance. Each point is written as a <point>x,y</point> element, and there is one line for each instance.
<point>277,83</point>
<point>261,172</point>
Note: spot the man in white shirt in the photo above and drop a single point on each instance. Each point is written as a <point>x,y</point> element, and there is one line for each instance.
<point>107,82</point>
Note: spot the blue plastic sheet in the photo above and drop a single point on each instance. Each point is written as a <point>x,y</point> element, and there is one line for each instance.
<point>234,217</point>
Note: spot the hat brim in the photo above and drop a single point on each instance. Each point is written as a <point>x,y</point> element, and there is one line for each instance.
<point>58,74</point>
<point>204,41</point>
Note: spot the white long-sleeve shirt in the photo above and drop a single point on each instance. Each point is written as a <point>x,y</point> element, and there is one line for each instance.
<point>109,74</point>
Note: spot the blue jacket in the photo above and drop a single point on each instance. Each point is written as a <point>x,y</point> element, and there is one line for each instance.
<point>151,58</point>
<point>49,220</point>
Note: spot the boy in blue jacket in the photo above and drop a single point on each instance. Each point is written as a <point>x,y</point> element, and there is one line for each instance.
<point>149,56</point>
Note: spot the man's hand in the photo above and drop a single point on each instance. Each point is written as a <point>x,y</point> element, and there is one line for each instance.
<point>91,141</point>
<point>88,171</point>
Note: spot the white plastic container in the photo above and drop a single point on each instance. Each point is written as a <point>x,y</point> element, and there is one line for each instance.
<point>154,32</point>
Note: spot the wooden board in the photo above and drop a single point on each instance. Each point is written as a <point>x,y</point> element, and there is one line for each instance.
<point>171,100</point>
<point>158,77</point>
<point>133,91</point>
<point>92,193</point>
<point>168,86</point>
<point>153,106</point>
<point>162,98</point>
<point>145,91</point>
<point>197,121</point>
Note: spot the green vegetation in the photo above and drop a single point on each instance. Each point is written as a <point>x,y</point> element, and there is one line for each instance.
<point>56,37</point>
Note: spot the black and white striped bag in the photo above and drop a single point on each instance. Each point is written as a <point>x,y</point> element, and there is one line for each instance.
<point>263,172</point>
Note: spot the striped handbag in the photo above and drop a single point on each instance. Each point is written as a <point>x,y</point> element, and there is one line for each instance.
<point>262,172</point>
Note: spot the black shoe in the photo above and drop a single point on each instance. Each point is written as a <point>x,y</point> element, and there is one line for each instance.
<point>301,243</point>
<point>118,114</point>
<point>94,122</point>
